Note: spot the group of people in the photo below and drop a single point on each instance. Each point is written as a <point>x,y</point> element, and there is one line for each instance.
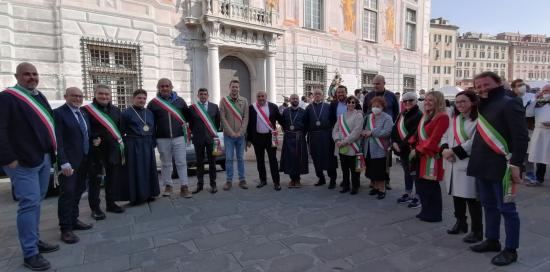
<point>478,150</point>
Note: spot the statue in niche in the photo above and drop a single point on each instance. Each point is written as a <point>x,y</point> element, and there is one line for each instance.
<point>390,21</point>
<point>272,4</point>
<point>349,14</point>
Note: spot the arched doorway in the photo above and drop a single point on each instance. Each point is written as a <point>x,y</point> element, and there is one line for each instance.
<point>233,68</point>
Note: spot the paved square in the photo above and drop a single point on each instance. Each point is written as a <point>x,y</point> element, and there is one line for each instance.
<point>308,229</point>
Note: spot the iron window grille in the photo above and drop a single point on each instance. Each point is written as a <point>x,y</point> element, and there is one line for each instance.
<point>315,76</point>
<point>409,84</point>
<point>367,80</point>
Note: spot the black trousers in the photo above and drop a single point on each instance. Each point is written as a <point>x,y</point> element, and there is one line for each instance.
<point>262,144</point>
<point>541,172</point>
<point>330,172</point>
<point>200,149</point>
<point>112,172</point>
<point>348,169</point>
<point>429,192</point>
<point>70,191</point>
<point>474,207</point>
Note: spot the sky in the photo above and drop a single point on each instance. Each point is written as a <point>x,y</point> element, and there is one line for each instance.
<point>495,16</point>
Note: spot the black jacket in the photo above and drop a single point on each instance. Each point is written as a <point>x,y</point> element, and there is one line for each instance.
<point>69,136</point>
<point>198,128</point>
<point>23,137</point>
<point>274,116</point>
<point>165,125</point>
<point>412,118</point>
<point>392,105</point>
<point>108,150</point>
<point>507,116</point>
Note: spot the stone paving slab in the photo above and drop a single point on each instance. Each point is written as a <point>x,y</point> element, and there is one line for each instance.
<point>311,229</point>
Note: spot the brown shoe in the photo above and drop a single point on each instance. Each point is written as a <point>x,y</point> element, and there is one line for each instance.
<point>297,184</point>
<point>184,192</point>
<point>291,184</point>
<point>227,186</point>
<point>167,190</point>
<point>243,185</point>
<point>69,237</point>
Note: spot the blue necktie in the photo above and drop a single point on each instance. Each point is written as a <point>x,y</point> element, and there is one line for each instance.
<point>81,123</point>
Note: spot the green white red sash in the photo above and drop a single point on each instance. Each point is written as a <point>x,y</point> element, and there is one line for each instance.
<point>459,131</point>
<point>370,126</point>
<point>401,129</point>
<point>210,126</point>
<point>108,123</point>
<point>175,113</point>
<point>265,119</point>
<point>233,108</point>
<point>498,144</point>
<point>346,131</point>
<point>427,169</point>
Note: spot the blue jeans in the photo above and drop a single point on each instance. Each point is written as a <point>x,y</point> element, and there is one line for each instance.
<point>232,146</point>
<point>491,196</point>
<point>30,186</point>
<point>409,178</point>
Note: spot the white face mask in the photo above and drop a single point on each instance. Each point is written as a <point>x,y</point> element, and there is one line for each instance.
<point>522,90</point>
<point>376,110</point>
<point>546,96</point>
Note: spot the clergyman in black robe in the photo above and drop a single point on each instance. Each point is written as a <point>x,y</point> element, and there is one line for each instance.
<point>294,160</point>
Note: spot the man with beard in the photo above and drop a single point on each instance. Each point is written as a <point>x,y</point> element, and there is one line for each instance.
<point>294,161</point>
<point>107,151</point>
<point>319,134</point>
<point>338,106</point>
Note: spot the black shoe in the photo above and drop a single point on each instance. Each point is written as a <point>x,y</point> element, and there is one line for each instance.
<point>44,247</point>
<point>98,214</point>
<point>321,182</point>
<point>486,246</point>
<point>213,189</point>
<point>332,185</point>
<point>344,190</point>
<point>277,187</point>
<point>79,225</point>
<point>388,187</point>
<point>381,195</point>
<point>505,257</point>
<point>114,208</point>
<point>198,189</point>
<point>262,184</point>
<point>69,237</point>
<point>36,263</point>
<point>354,191</point>
<point>473,237</point>
<point>459,227</point>
<point>373,191</point>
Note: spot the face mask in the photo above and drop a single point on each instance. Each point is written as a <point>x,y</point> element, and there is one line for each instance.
<point>376,110</point>
<point>421,97</point>
<point>522,90</point>
<point>546,96</point>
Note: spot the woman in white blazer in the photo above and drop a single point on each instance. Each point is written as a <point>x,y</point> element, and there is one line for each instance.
<point>456,146</point>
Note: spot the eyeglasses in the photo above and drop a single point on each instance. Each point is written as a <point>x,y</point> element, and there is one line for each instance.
<point>408,101</point>
<point>351,102</point>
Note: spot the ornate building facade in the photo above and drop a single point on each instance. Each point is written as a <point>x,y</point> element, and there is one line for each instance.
<point>281,46</point>
<point>442,53</point>
<point>529,56</point>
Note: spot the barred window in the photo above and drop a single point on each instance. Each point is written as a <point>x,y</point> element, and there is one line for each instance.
<point>115,64</point>
<point>370,20</point>
<point>314,77</point>
<point>367,79</point>
<point>409,84</point>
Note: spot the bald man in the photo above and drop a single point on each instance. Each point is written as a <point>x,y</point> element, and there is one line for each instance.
<point>73,136</point>
<point>27,151</point>
<point>262,134</point>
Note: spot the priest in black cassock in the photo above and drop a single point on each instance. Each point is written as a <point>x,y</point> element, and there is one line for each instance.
<point>319,136</point>
<point>294,161</point>
<point>137,129</point>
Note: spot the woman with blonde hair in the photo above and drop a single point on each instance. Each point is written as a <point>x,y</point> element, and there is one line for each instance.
<point>432,127</point>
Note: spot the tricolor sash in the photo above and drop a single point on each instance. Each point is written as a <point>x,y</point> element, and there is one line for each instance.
<point>427,169</point>
<point>233,108</point>
<point>108,123</point>
<point>265,119</point>
<point>346,131</point>
<point>498,144</point>
<point>175,113</point>
<point>210,126</point>
<point>401,129</point>
<point>459,131</point>
<point>370,126</point>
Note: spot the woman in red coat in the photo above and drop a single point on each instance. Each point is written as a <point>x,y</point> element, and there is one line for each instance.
<point>432,127</point>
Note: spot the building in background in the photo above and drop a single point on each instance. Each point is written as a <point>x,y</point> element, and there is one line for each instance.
<point>529,56</point>
<point>478,52</point>
<point>442,53</point>
<point>281,46</point>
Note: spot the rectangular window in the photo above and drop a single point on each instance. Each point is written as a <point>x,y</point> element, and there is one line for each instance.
<point>409,84</point>
<point>448,54</point>
<point>410,29</point>
<point>314,77</point>
<point>370,20</point>
<point>313,14</point>
<point>367,79</point>
<point>115,64</point>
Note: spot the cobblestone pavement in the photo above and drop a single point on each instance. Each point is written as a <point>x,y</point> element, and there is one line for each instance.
<point>307,229</point>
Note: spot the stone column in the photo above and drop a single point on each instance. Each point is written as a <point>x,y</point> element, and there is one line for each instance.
<point>214,72</point>
<point>270,77</point>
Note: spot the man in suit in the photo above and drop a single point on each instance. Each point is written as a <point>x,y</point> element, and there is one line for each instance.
<point>27,148</point>
<point>338,106</point>
<point>73,136</point>
<point>262,134</point>
<point>205,123</point>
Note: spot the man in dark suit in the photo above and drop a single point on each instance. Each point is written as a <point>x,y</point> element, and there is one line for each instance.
<point>205,122</point>
<point>73,136</point>
<point>338,106</point>
<point>262,134</point>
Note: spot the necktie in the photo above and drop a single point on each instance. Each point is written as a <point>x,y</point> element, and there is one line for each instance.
<point>82,124</point>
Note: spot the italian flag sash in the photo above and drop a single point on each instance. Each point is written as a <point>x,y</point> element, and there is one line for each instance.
<point>175,113</point>
<point>233,108</point>
<point>459,131</point>
<point>108,124</point>
<point>360,164</point>
<point>210,126</point>
<point>427,170</point>
<point>498,144</point>
<point>370,126</point>
<point>401,129</point>
<point>265,119</point>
